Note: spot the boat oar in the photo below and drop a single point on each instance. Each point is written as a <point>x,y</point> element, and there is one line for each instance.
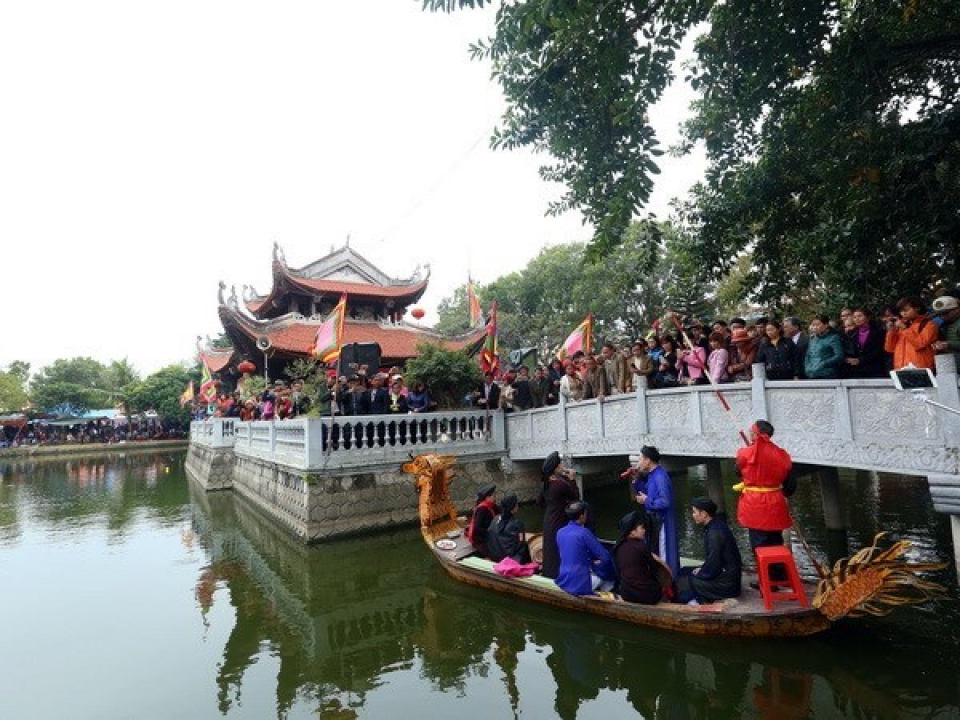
<point>743,436</point>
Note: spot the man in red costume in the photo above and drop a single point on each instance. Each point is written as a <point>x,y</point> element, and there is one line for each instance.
<point>764,467</point>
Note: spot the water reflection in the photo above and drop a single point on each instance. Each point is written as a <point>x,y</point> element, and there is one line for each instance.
<point>65,494</point>
<point>105,555</point>
<point>352,621</point>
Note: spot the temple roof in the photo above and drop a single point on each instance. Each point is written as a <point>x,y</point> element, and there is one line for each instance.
<point>215,358</point>
<point>294,335</point>
<point>342,271</point>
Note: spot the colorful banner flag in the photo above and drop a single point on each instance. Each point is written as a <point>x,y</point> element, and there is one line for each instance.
<point>580,339</point>
<point>208,386</point>
<point>187,397</point>
<point>326,346</point>
<point>476,314</point>
<point>489,355</point>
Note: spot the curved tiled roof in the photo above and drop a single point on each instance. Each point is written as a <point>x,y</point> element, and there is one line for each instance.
<point>294,335</point>
<point>285,278</point>
<point>216,358</point>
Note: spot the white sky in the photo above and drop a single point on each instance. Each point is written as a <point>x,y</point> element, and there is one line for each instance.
<point>149,150</point>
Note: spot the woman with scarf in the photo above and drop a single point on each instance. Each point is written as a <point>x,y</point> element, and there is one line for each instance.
<point>505,534</point>
<point>765,470</point>
<point>483,514</point>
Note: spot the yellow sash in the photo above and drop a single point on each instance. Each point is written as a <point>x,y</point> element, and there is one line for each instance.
<point>740,487</point>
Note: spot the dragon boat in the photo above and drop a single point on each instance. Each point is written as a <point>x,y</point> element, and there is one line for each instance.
<point>871,582</point>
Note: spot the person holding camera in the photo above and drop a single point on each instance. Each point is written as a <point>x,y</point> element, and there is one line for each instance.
<point>911,337</point>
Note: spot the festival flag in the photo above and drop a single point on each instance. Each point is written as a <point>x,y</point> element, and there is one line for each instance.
<point>489,357</point>
<point>476,314</point>
<point>208,386</point>
<point>326,346</point>
<point>187,396</point>
<point>580,339</point>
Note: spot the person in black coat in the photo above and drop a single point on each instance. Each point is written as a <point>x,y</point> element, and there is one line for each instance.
<point>377,398</point>
<point>778,354</point>
<point>866,357</point>
<point>488,395</point>
<point>720,575</point>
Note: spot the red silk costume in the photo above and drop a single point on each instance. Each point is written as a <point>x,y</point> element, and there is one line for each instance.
<point>763,466</point>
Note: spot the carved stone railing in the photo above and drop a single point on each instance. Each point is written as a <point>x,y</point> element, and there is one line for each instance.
<point>348,443</point>
<point>214,433</point>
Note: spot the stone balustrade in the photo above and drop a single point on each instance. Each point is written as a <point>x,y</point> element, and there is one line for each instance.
<point>315,444</point>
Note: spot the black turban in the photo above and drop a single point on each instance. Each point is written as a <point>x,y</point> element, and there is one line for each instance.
<point>550,464</point>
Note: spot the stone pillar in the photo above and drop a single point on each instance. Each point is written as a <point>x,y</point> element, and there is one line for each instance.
<point>758,392</point>
<point>715,486</point>
<point>837,545</point>
<point>955,530</point>
<point>948,394</point>
<point>832,505</point>
<point>643,417</point>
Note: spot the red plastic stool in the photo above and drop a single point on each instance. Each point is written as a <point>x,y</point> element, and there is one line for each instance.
<point>768,555</point>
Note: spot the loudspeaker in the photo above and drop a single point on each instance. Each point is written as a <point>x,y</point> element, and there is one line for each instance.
<point>359,354</point>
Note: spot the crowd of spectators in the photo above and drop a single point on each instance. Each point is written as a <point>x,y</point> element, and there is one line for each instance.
<point>101,431</point>
<point>360,393</point>
<point>858,343</point>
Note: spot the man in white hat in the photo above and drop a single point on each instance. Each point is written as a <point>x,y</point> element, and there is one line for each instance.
<point>948,308</point>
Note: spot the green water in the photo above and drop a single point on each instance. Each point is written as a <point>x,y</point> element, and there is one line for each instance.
<point>126,593</point>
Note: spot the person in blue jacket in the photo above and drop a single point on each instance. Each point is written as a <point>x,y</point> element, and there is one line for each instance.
<point>585,565</point>
<point>657,499</point>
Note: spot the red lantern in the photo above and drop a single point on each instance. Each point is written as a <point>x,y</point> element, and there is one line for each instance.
<point>246,367</point>
<point>418,313</point>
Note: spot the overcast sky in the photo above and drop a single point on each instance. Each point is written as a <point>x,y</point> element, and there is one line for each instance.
<point>149,150</point>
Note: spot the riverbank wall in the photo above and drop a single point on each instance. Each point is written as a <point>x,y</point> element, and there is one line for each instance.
<point>319,505</point>
<point>55,452</point>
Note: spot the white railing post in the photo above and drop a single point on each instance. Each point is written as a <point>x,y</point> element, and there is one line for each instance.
<point>758,386</point>
<point>948,394</point>
<point>643,411</point>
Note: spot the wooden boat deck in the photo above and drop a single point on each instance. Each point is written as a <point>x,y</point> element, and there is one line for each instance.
<point>745,616</point>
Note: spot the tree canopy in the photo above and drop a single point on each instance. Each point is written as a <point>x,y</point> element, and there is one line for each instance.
<point>73,386</point>
<point>831,127</point>
<point>648,273</point>
<point>449,374</point>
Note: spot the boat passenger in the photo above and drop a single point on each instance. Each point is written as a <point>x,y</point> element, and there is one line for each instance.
<point>483,514</point>
<point>657,499</point>
<point>720,575</point>
<point>559,490</point>
<point>638,570</point>
<point>505,534</point>
<point>585,565</point>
